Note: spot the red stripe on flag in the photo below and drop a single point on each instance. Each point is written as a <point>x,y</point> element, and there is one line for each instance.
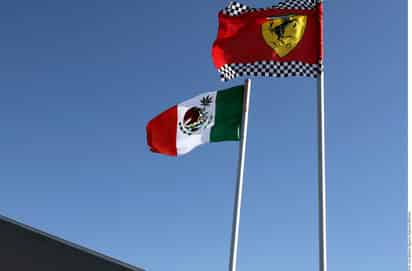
<point>161,132</point>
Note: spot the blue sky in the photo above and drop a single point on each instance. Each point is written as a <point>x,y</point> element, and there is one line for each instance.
<point>80,80</point>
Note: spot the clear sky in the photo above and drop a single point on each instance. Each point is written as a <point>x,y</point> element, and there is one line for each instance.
<point>80,79</point>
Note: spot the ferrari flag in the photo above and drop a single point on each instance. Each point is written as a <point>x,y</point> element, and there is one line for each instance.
<point>282,40</point>
<point>209,117</point>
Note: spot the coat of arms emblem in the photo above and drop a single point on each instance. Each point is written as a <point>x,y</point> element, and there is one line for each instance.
<point>197,117</point>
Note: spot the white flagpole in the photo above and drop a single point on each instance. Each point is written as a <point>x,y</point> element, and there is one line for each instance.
<point>321,172</point>
<point>409,136</point>
<point>321,175</point>
<point>409,142</point>
<point>239,185</point>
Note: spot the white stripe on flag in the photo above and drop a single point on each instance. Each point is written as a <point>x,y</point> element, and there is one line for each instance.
<point>186,142</point>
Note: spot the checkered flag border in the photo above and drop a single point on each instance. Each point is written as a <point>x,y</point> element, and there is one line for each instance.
<point>235,8</point>
<point>296,4</point>
<point>269,69</point>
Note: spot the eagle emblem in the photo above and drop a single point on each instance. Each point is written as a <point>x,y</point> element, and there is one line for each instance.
<point>283,33</point>
<point>197,117</point>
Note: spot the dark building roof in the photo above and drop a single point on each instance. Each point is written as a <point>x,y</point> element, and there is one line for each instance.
<point>27,249</point>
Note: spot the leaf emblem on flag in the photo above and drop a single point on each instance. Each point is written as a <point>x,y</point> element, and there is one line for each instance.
<point>283,33</point>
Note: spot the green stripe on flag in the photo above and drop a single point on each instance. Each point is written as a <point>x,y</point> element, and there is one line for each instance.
<point>228,114</point>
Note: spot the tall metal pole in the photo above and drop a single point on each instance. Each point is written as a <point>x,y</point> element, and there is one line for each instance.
<point>409,138</point>
<point>321,167</point>
<point>239,185</point>
<point>321,175</point>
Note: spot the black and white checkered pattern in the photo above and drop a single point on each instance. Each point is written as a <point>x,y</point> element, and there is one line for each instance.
<point>269,68</point>
<point>235,9</point>
<point>296,4</point>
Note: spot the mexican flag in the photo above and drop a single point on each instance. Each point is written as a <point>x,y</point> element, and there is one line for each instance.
<point>209,117</point>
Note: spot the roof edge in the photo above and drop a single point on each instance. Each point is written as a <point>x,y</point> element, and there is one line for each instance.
<point>70,244</point>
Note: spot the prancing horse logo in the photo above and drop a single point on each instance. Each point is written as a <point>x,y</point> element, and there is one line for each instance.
<point>283,33</point>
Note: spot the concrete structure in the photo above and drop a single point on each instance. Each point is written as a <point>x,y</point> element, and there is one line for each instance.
<point>23,248</point>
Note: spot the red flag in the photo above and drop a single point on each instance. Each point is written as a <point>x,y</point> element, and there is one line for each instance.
<point>283,40</point>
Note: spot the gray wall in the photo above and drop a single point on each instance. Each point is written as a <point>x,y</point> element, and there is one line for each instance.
<point>24,249</point>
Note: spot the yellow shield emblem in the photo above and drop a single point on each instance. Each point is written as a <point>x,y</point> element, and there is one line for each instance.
<point>283,33</point>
